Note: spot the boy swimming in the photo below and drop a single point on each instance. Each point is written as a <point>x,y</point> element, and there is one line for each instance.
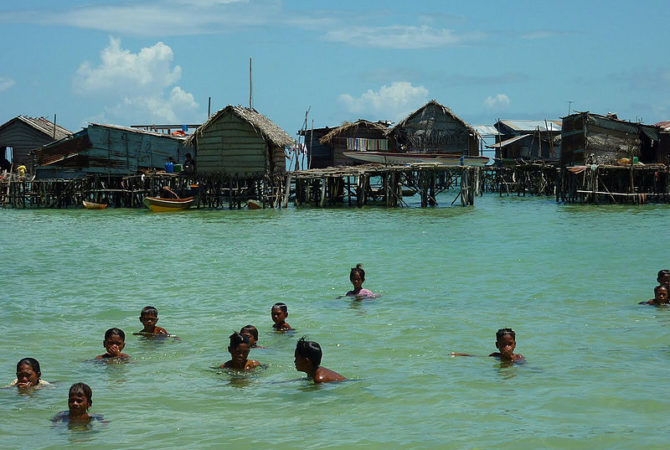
<point>663,277</point>
<point>239,351</point>
<point>279,315</point>
<point>251,332</point>
<point>80,399</point>
<point>357,278</point>
<point>28,374</point>
<point>308,359</point>
<point>661,293</point>
<point>149,317</point>
<point>505,343</point>
<point>115,340</point>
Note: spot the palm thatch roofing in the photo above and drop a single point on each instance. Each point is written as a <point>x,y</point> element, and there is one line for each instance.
<point>348,126</point>
<point>443,108</point>
<point>263,126</point>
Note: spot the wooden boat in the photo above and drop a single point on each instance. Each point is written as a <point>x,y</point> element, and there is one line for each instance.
<point>157,204</point>
<point>442,159</point>
<point>92,205</point>
<point>254,204</point>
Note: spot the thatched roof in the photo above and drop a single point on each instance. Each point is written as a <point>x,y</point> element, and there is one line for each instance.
<point>444,109</point>
<point>264,126</point>
<point>41,124</point>
<point>348,126</point>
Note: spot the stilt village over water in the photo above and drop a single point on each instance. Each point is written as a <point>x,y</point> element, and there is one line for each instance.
<point>239,158</point>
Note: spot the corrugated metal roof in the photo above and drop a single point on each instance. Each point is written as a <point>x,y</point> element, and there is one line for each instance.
<point>486,130</point>
<point>532,125</point>
<point>664,125</point>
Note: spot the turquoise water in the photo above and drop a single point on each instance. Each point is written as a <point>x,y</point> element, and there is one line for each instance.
<point>566,278</point>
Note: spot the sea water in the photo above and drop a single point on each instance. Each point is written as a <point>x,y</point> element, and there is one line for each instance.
<point>567,278</point>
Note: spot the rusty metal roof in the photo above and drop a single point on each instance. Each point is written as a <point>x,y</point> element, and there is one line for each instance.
<point>532,125</point>
<point>42,125</point>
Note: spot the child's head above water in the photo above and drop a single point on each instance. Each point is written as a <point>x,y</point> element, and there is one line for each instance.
<point>663,277</point>
<point>308,350</point>
<point>80,399</point>
<point>28,373</point>
<point>279,313</point>
<point>239,349</point>
<point>115,341</point>
<point>149,317</point>
<point>506,342</point>
<point>251,332</point>
<point>661,293</point>
<point>357,276</point>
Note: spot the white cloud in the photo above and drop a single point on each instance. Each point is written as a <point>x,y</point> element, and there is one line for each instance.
<point>141,86</point>
<point>390,102</point>
<point>401,37</point>
<point>6,83</point>
<point>497,102</point>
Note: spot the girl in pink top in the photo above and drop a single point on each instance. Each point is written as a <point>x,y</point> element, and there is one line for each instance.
<point>357,277</point>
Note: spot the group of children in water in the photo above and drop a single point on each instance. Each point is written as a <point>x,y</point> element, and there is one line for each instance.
<point>307,354</point>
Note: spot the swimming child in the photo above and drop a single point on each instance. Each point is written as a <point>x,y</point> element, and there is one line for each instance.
<point>308,359</point>
<point>661,293</point>
<point>115,340</point>
<point>279,315</point>
<point>239,351</point>
<point>28,374</point>
<point>80,399</point>
<point>505,343</point>
<point>663,277</point>
<point>149,317</point>
<point>357,278</point>
<point>251,332</point>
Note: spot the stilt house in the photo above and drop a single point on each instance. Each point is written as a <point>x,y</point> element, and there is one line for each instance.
<point>108,150</point>
<point>527,139</point>
<point>361,135</point>
<point>589,138</point>
<point>239,141</point>
<point>23,134</point>
<point>433,128</point>
<point>319,155</point>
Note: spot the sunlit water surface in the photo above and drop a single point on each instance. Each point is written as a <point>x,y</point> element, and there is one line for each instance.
<point>566,278</point>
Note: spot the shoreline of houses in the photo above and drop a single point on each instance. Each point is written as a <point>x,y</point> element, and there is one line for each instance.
<point>239,143</point>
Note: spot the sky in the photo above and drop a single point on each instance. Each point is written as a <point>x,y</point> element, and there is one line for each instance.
<point>159,61</point>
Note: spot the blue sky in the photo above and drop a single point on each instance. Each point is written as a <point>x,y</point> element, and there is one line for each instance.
<point>158,61</point>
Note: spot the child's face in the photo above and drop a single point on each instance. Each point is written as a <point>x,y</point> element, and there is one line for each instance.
<point>302,364</point>
<point>356,280</point>
<point>239,354</point>
<point>664,279</point>
<point>252,339</point>
<point>278,316</point>
<point>661,296</point>
<point>77,403</point>
<point>114,344</point>
<point>27,377</point>
<point>506,345</point>
<point>149,321</point>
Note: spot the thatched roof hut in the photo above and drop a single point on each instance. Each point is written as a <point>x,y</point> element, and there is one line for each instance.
<point>434,128</point>
<point>239,141</point>
<point>361,135</point>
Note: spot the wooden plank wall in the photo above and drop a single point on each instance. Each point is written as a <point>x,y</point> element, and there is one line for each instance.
<point>232,147</point>
<point>22,138</point>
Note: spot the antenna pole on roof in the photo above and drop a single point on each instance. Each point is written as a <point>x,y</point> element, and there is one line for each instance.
<point>54,127</point>
<point>570,102</point>
<point>209,107</point>
<point>251,86</point>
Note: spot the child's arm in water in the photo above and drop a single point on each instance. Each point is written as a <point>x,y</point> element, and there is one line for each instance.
<point>460,354</point>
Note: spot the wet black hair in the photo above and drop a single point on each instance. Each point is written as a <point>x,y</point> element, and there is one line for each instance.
<point>251,329</point>
<point>662,273</point>
<point>359,270</point>
<point>84,389</point>
<point>281,306</point>
<point>115,332</point>
<point>32,362</point>
<point>310,350</point>
<point>504,331</point>
<point>149,310</point>
<point>661,286</point>
<point>237,339</point>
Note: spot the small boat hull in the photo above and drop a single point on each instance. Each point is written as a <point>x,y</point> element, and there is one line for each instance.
<point>157,204</point>
<point>92,205</point>
<point>442,159</point>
